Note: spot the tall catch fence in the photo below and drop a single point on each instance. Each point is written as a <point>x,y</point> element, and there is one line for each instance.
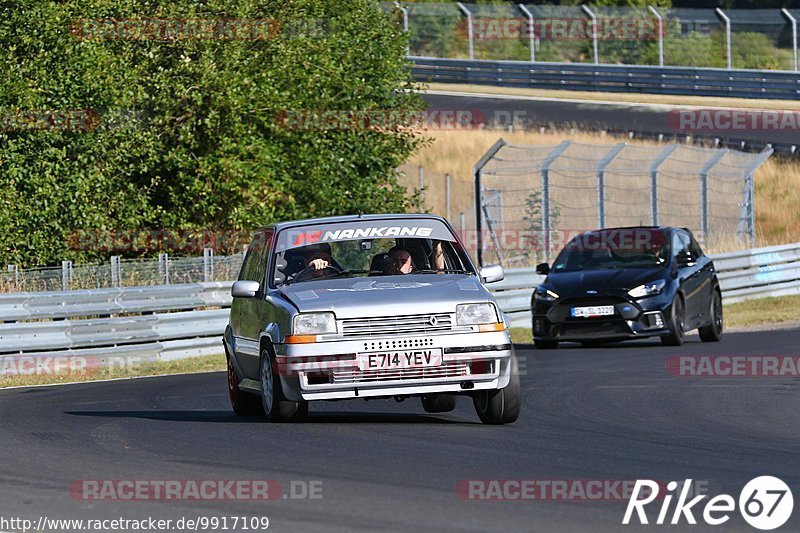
<point>530,200</point>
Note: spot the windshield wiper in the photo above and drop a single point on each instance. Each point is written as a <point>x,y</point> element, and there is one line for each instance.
<point>444,271</point>
<point>349,272</point>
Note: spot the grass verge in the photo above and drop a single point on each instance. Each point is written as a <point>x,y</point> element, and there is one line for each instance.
<point>758,312</point>
<point>656,99</point>
<point>189,365</point>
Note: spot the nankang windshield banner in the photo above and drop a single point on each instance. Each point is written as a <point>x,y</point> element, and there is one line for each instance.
<point>363,229</point>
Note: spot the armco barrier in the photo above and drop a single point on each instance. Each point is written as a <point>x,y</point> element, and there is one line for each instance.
<point>132,323</point>
<point>773,84</point>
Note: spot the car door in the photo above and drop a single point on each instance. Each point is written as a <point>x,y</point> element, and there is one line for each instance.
<point>250,309</point>
<point>688,271</point>
<point>705,277</point>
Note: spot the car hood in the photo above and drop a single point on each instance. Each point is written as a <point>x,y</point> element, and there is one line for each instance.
<point>387,295</point>
<point>603,281</point>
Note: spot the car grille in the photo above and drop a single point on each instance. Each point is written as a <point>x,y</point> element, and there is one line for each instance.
<point>446,370</point>
<point>396,325</point>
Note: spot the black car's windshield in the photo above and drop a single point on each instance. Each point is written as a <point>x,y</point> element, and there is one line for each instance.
<point>337,254</point>
<point>611,249</point>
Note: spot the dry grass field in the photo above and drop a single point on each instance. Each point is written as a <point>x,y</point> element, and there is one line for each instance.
<point>455,151</point>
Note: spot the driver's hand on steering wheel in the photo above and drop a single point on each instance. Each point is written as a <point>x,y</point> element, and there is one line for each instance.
<point>318,264</point>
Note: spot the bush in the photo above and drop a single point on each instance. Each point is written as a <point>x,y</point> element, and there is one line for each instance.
<point>190,131</point>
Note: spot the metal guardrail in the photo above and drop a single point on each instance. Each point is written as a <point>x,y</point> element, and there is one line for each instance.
<point>744,275</point>
<point>697,81</point>
<point>114,326</point>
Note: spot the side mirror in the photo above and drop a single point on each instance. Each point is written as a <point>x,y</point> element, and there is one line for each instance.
<point>492,273</point>
<point>245,289</point>
<point>543,269</point>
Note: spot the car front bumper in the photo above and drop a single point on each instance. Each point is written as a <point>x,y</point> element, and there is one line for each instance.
<point>329,370</point>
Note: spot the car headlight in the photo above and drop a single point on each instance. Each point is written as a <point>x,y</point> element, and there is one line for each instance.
<point>314,324</point>
<point>476,314</point>
<point>648,289</point>
<point>544,294</point>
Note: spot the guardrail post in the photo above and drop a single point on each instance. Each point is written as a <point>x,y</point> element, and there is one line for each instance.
<point>727,22</point>
<point>470,35</point>
<point>66,275</point>
<point>594,31</point>
<point>704,172</point>
<point>654,181</point>
<point>116,271</point>
<point>208,264</point>
<point>794,35</point>
<point>478,200</point>
<point>447,195</point>
<point>660,19</point>
<point>601,182</point>
<point>163,267</point>
<point>546,162</point>
<point>531,32</point>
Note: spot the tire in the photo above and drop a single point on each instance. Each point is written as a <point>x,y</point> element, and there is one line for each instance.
<point>276,408</point>
<point>543,344</point>
<point>500,406</point>
<point>243,403</point>
<point>439,403</point>
<point>712,332</point>
<point>675,323</point>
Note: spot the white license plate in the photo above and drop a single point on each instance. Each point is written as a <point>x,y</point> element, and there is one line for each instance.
<point>400,359</point>
<point>594,310</point>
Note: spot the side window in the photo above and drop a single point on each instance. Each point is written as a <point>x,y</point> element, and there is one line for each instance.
<point>694,248</point>
<point>255,264</point>
<point>680,243</point>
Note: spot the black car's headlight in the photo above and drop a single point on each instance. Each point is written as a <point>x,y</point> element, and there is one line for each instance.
<point>647,289</point>
<point>543,294</point>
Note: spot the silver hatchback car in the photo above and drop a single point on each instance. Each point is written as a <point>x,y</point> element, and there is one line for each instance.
<point>369,306</point>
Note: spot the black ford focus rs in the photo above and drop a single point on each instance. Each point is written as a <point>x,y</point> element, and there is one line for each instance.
<point>626,283</point>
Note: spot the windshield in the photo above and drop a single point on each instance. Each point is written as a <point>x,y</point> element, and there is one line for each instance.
<point>625,248</point>
<point>340,255</point>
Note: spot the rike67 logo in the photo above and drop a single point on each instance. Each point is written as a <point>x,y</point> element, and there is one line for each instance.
<point>765,503</point>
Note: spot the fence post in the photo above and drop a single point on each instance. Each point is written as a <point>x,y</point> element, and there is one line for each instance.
<point>404,11</point>
<point>594,31</point>
<point>478,198</point>
<point>552,156</point>
<point>447,195</point>
<point>208,264</point>
<point>66,275</point>
<point>163,267</point>
<point>704,172</point>
<point>794,35</point>
<point>654,181</point>
<point>727,22</point>
<point>421,184</point>
<point>601,182</point>
<point>462,228</point>
<point>116,271</point>
<point>470,35</point>
<point>660,19</point>
<point>531,32</point>
<point>748,207</point>
<point>15,271</point>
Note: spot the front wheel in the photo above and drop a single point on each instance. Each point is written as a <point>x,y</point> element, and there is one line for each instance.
<point>243,403</point>
<point>675,323</point>
<point>500,406</point>
<point>713,331</point>
<point>275,405</point>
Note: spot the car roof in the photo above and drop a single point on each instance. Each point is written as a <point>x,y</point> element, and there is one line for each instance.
<point>349,218</point>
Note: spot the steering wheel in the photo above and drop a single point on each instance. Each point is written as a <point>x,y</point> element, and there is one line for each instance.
<point>305,273</point>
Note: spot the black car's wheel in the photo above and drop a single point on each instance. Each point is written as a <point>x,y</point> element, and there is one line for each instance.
<point>675,323</point>
<point>439,403</point>
<point>545,344</point>
<point>243,403</point>
<point>500,406</point>
<point>276,407</point>
<point>712,332</point>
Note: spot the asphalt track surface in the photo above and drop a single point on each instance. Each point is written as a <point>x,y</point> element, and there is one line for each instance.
<point>591,115</point>
<point>605,413</point>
